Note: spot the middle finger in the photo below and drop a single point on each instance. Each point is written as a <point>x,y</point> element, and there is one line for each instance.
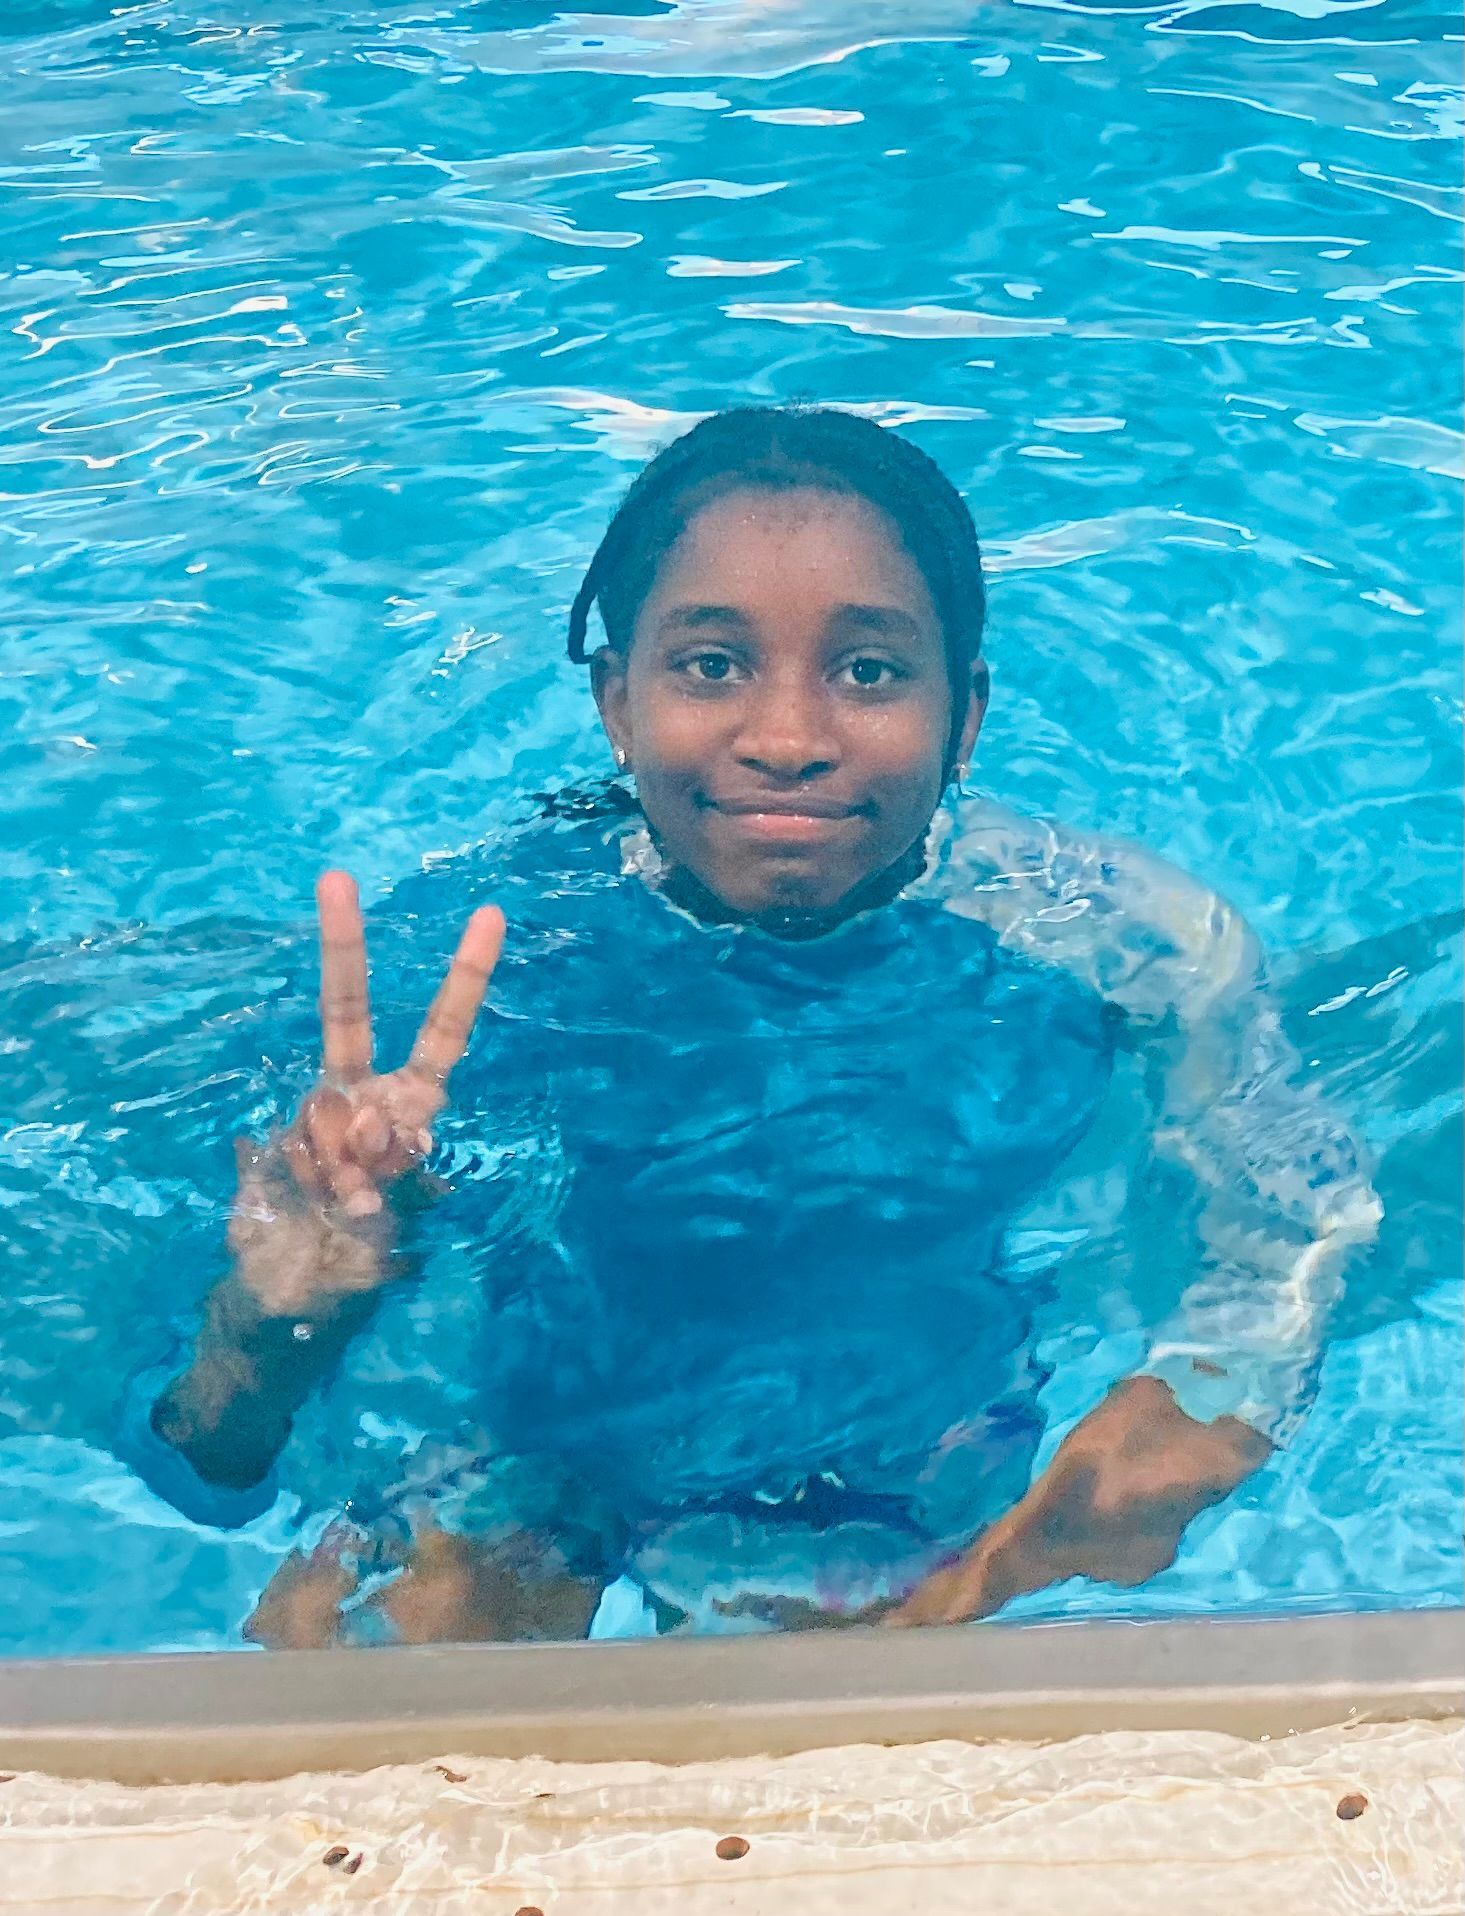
<point>449,1023</point>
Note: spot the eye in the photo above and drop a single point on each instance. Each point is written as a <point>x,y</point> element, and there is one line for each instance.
<point>709,668</point>
<point>869,672</point>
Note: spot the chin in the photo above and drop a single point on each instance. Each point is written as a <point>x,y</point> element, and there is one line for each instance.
<point>792,890</point>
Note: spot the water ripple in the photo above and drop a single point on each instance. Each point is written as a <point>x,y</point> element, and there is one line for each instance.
<point>908,322</point>
<point>1416,443</point>
<point>332,337</point>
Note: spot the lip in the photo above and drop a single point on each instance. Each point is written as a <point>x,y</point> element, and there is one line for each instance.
<point>786,821</point>
<point>808,808</point>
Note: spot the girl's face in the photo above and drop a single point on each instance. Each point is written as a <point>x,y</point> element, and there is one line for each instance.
<point>784,703</point>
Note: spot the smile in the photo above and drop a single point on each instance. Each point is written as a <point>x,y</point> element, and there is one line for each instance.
<point>780,808</point>
<point>790,821</point>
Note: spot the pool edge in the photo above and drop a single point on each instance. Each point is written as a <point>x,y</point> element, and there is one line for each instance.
<point>221,1717</point>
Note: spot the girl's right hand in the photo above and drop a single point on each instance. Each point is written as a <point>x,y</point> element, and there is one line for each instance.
<point>360,1129</point>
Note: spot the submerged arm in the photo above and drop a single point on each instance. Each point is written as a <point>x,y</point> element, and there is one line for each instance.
<point>1288,1201</point>
<point>1288,1195</point>
<point>311,1228</point>
<point>302,1284</point>
<point>1288,1198</point>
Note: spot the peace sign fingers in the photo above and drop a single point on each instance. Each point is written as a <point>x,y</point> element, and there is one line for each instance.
<point>344,1006</point>
<point>449,1023</point>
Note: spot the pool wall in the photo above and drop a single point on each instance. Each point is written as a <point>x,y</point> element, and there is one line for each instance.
<point>229,1718</point>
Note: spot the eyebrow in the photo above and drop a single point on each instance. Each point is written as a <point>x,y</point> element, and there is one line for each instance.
<point>888,621</point>
<point>697,616</point>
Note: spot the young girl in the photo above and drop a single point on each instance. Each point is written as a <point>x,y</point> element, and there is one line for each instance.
<point>792,1094</point>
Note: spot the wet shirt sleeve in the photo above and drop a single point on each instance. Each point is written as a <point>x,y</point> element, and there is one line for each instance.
<point>1287,1199</point>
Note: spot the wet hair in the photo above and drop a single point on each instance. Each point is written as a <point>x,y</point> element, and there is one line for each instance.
<point>779,448</point>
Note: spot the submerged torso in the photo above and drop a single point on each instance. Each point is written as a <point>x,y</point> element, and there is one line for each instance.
<point>740,1204</point>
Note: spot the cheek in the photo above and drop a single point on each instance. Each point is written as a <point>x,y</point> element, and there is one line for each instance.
<point>905,748</point>
<point>673,738</point>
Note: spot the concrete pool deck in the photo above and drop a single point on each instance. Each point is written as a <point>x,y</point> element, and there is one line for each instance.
<point>1080,1768</point>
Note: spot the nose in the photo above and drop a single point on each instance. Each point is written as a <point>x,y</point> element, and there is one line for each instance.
<point>787,733</point>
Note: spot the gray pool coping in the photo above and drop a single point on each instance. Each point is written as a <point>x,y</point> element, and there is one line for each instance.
<point>234,1716</point>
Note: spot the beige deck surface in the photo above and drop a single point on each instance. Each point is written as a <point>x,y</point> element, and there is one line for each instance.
<point>1179,1824</point>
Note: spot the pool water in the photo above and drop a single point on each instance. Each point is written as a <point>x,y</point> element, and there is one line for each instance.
<point>332,338</point>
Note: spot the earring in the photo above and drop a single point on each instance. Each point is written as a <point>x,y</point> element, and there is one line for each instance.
<point>621,759</point>
<point>958,774</point>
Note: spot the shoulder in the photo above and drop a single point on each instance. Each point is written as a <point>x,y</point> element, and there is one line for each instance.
<point>1147,936</point>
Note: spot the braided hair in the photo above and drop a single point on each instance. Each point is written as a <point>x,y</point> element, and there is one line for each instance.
<point>779,448</point>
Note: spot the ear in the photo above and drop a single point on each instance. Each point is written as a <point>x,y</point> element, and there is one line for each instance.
<point>608,683</point>
<point>976,711</point>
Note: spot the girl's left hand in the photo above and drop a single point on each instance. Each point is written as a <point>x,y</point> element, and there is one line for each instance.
<point>1112,1505</point>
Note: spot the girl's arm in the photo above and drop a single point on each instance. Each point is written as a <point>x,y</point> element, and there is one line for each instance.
<point>1288,1202</point>
<point>311,1231</point>
<point>1287,1188</point>
<point>303,1282</point>
<point>1288,1199</point>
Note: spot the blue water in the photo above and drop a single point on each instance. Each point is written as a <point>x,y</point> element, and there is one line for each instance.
<point>328,346</point>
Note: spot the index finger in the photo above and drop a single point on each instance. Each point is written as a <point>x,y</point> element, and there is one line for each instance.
<point>449,1024</point>
<point>345,1014</point>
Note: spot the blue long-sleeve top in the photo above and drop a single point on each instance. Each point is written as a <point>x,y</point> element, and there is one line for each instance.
<point>732,1208</point>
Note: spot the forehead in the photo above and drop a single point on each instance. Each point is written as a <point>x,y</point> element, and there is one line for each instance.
<point>753,545</point>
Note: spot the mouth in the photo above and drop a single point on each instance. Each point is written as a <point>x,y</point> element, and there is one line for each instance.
<point>790,821</point>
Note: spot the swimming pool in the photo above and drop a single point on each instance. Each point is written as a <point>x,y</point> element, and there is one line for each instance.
<point>331,342</point>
